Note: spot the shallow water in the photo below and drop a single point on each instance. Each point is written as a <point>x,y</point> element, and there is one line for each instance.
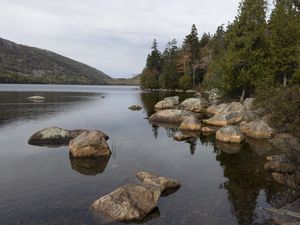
<point>40,185</point>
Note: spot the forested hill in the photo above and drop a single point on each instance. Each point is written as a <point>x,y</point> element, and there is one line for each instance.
<point>24,64</point>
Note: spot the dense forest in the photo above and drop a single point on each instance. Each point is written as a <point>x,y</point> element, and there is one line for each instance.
<point>253,53</point>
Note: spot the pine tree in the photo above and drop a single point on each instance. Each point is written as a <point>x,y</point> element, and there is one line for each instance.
<point>191,45</point>
<point>246,47</point>
<point>284,40</point>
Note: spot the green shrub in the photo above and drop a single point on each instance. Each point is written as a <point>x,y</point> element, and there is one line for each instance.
<point>284,105</point>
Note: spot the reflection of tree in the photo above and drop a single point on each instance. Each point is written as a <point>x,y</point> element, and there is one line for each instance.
<point>193,144</point>
<point>246,178</point>
<point>155,131</point>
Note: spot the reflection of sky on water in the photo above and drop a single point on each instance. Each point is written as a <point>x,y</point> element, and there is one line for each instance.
<point>40,185</point>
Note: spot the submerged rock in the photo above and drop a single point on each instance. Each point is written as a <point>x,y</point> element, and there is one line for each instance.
<point>132,202</point>
<point>191,123</point>
<point>231,134</point>
<point>89,144</point>
<point>229,148</point>
<point>257,129</point>
<point>135,107</point>
<point>36,98</point>
<point>170,116</point>
<point>224,119</point>
<point>178,136</point>
<point>167,103</point>
<point>280,164</point>
<point>288,215</point>
<point>196,105</point>
<point>164,184</point>
<point>50,136</point>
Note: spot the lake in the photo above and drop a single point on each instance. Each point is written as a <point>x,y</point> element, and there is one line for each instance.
<point>42,185</point>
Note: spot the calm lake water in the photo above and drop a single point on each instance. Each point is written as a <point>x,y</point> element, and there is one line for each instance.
<point>40,185</point>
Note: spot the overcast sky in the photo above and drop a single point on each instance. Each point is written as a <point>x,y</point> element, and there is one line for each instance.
<point>114,36</point>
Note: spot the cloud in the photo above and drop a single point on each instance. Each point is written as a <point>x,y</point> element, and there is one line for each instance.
<point>114,36</point>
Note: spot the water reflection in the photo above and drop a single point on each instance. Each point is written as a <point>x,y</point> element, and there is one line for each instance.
<point>15,106</point>
<point>89,166</point>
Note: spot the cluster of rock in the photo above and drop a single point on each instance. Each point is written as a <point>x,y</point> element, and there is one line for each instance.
<point>232,122</point>
<point>134,202</point>
<point>82,143</point>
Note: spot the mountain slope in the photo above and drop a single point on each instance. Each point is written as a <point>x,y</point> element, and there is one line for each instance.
<point>24,64</point>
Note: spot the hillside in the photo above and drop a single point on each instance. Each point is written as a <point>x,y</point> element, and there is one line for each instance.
<point>24,64</point>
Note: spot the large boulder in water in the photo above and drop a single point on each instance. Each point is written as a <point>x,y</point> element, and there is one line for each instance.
<point>167,103</point>
<point>50,136</point>
<point>216,109</point>
<point>231,134</point>
<point>54,136</point>
<point>224,108</point>
<point>170,116</point>
<point>129,203</point>
<point>224,119</point>
<point>89,144</point>
<point>196,105</point>
<point>164,184</point>
<point>257,129</point>
<point>191,123</point>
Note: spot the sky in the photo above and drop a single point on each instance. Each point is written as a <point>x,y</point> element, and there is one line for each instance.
<point>114,36</point>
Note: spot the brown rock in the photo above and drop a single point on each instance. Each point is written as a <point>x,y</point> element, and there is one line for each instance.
<point>231,134</point>
<point>257,129</point>
<point>170,116</point>
<point>167,103</point>
<point>196,105</point>
<point>132,202</point>
<point>224,119</point>
<point>89,144</point>
<point>165,184</point>
<point>178,136</point>
<point>191,123</point>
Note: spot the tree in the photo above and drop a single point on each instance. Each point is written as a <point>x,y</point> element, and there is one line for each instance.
<point>170,76</point>
<point>153,63</point>
<point>284,40</point>
<point>191,45</point>
<point>246,47</point>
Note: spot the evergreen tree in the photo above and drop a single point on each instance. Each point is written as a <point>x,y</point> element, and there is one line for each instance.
<point>191,46</point>
<point>284,40</point>
<point>244,60</point>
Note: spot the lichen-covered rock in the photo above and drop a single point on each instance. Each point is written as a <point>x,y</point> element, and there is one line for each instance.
<point>231,134</point>
<point>132,202</point>
<point>135,107</point>
<point>224,119</point>
<point>50,136</point>
<point>216,109</point>
<point>225,108</point>
<point>167,103</point>
<point>178,136</point>
<point>248,103</point>
<point>196,105</point>
<point>170,116</point>
<point>257,129</point>
<point>279,164</point>
<point>164,184</point>
<point>191,123</point>
<point>89,144</point>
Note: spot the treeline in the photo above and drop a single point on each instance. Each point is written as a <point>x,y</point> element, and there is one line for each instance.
<point>250,54</point>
